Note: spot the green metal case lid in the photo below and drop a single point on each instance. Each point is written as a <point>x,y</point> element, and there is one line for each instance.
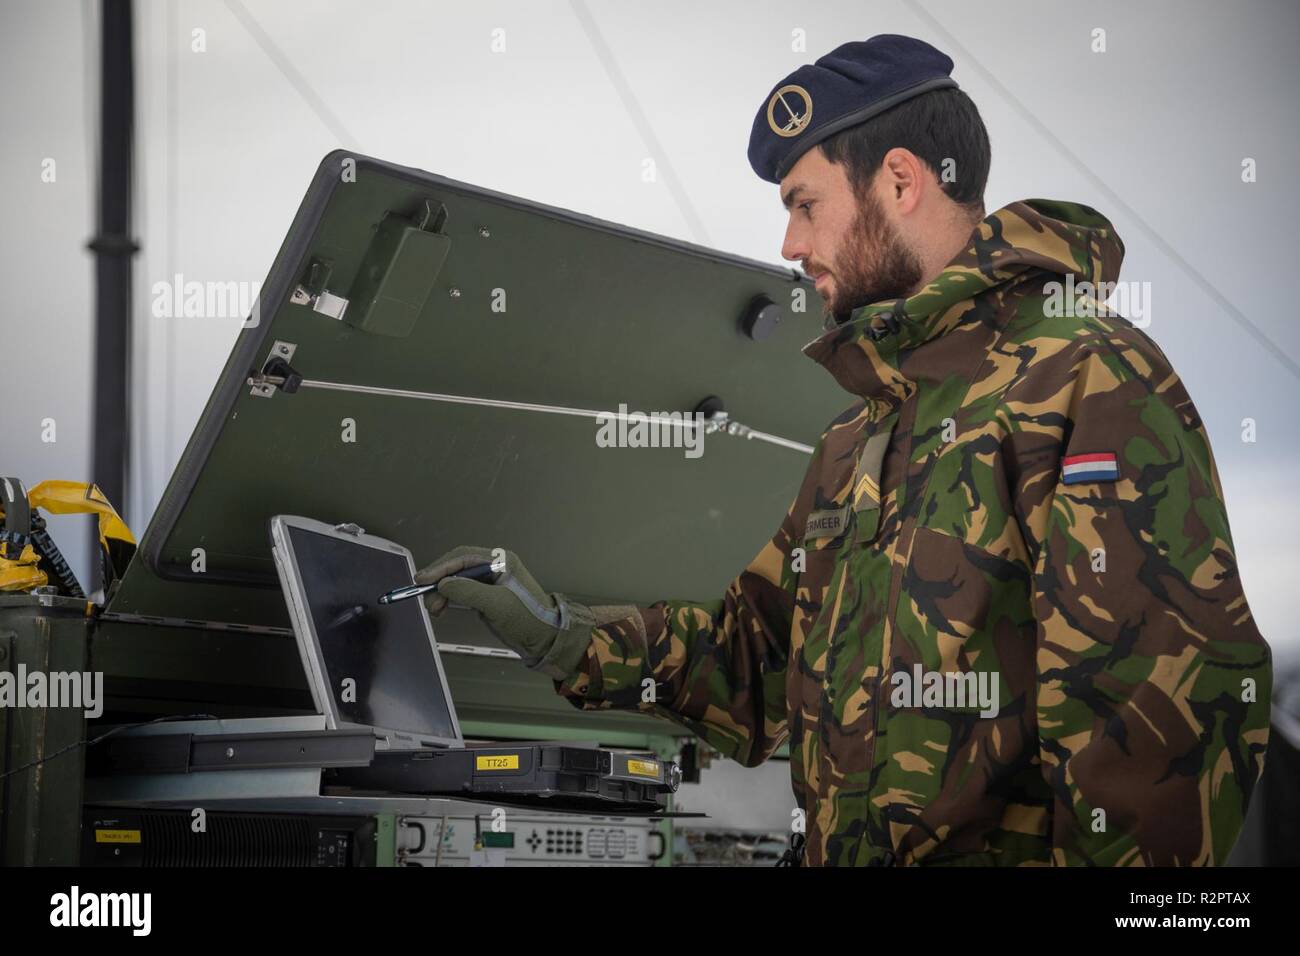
<point>449,289</point>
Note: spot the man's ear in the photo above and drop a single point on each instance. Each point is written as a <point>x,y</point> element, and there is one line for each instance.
<point>903,173</point>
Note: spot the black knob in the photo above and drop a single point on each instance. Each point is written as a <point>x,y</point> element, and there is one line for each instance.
<point>761,318</point>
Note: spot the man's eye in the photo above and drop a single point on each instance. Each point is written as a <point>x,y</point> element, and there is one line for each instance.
<point>806,207</point>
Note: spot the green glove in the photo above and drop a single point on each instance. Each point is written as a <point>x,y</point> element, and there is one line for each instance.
<point>548,631</point>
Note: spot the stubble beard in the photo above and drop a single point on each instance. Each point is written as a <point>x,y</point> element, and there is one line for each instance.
<point>874,266</point>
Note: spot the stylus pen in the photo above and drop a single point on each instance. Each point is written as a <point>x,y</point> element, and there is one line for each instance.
<point>475,572</point>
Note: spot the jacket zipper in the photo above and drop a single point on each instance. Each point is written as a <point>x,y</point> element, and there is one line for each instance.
<point>907,533</point>
<point>906,419</point>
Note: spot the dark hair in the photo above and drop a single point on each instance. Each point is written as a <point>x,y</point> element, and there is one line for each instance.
<point>939,125</point>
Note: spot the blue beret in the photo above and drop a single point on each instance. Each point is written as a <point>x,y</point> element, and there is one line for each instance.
<point>847,86</point>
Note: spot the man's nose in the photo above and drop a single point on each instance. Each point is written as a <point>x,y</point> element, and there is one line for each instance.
<point>795,245</point>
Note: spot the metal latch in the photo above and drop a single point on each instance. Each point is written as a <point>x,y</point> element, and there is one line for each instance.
<point>717,419</point>
<point>312,292</point>
<point>276,374</point>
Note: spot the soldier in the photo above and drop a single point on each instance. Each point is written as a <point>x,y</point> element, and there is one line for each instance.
<point>1001,623</point>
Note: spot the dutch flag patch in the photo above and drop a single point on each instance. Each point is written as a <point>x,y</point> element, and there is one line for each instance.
<point>1098,466</point>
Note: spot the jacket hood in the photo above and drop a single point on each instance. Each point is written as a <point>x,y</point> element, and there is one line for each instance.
<point>1011,254</point>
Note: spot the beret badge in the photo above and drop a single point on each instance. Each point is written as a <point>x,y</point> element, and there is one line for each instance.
<point>789,111</point>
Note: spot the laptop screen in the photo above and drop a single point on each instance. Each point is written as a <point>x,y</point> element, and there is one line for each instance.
<point>379,662</point>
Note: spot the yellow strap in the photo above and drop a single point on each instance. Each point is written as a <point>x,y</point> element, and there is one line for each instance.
<point>21,573</point>
<point>61,497</point>
<point>74,497</point>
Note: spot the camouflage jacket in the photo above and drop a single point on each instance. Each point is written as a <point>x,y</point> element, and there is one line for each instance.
<point>1023,501</point>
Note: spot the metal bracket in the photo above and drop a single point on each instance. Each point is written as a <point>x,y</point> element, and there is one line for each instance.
<point>311,291</point>
<point>722,422</point>
<point>266,382</point>
<point>326,303</point>
<point>432,216</point>
<point>46,594</point>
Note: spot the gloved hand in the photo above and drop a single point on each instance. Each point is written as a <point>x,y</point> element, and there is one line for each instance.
<point>549,631</point>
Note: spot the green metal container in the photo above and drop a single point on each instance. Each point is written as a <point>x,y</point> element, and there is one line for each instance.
<point>41,762</point>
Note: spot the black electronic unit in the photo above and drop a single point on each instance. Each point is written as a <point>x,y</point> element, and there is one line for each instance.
<point>553,776</point>
<point>179,838</point>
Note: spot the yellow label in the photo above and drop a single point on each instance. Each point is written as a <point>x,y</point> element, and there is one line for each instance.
<point>117,836</point>
<point>497,762</point>
<point>643,768</point>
